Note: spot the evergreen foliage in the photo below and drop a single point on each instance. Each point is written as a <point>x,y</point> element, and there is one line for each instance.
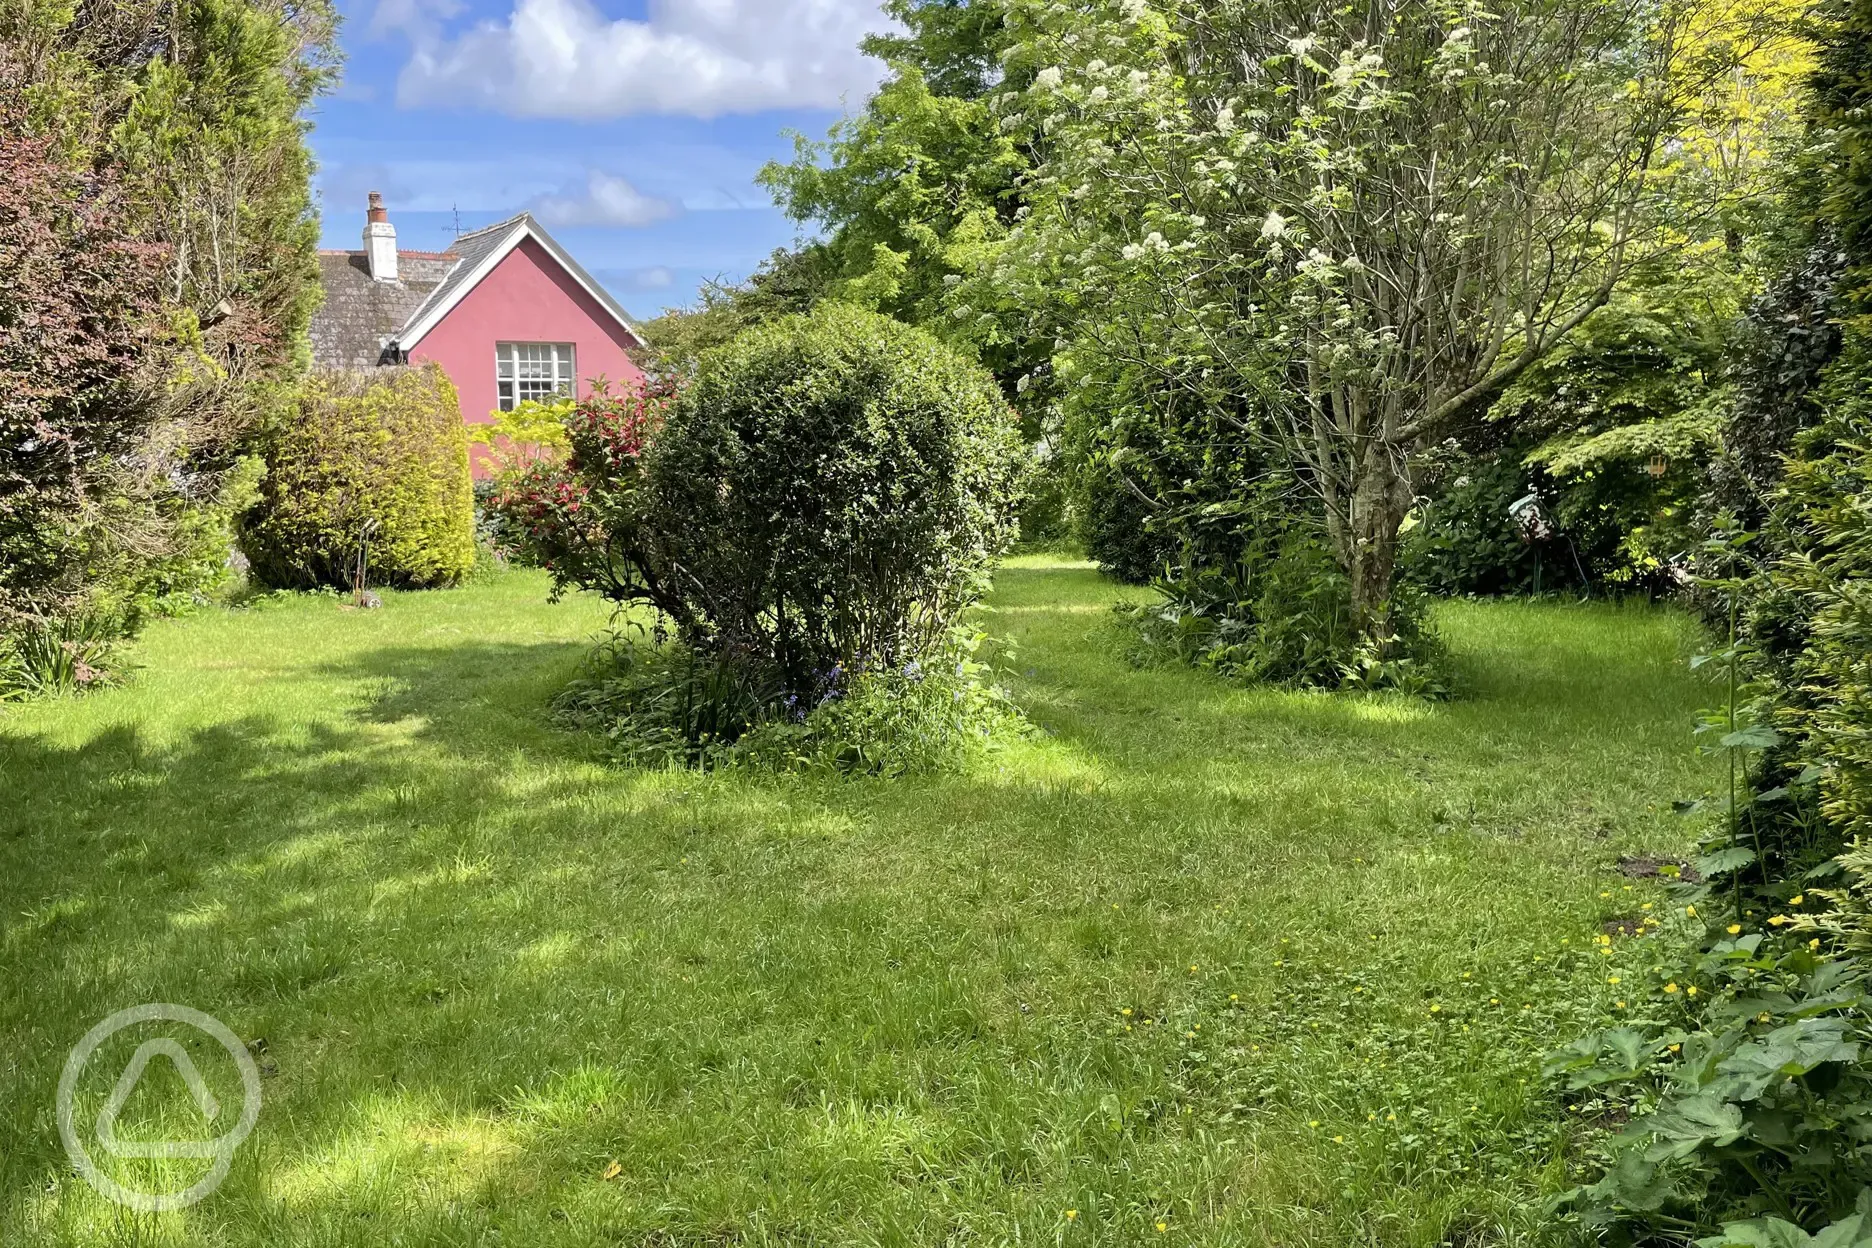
<point>367,468</point>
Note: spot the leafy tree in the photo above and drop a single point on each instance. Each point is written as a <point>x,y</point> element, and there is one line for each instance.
<point>787,283</point>
<point>1364,224</point>
<point>910,188</point>
<point>157,169</point>
<point>80,364</point>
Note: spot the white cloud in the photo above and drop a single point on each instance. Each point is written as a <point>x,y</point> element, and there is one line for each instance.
<point>698,58</point>
<point>606,200</point>
<point>657,277</point>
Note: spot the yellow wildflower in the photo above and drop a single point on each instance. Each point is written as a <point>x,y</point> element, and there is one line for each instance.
<point>1734,928</point>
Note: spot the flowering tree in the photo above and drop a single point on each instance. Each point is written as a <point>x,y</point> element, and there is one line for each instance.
<point>1355,225</point>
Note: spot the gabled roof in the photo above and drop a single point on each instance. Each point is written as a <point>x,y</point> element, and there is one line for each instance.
<point>481,251</point>
<point>361,316</point>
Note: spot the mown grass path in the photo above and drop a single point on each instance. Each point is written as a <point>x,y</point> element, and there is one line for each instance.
<point>489,971</point>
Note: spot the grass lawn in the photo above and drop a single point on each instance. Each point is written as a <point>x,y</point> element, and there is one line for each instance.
<point>1195,965</point>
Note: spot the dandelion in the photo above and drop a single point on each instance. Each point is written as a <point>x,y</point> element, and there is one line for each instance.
<point>1162,1227</point>
<point>1778,920</point>
<point>1691,911</point>
<point>1233,996</point>
<point>1390,1117</point>
<point>1797,898</point>
<point>1612,979</point>
<point>1814,944</point>
<point>1192,968</point>
<point>1071,1214</point>
<point>1126,1011</point>
<point>1338,1139</point>
<point>1436,1009</point>
<point>1313,1123</point>
<point>1618,1005</point>
<point>1733,929</point>
<point>1670,988</point>
<point>1646,906</point>
<point>1674,1048</point>
<point>1494,1000</point>
<point>1691,990</point>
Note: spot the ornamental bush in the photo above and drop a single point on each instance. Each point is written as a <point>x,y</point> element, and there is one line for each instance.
<point>822,498</point>
<point>371,463</point>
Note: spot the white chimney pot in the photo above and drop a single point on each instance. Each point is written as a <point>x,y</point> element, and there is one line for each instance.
<point>380,241</point>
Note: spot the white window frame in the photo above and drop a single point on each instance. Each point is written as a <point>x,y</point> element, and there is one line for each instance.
<point>512,359</point>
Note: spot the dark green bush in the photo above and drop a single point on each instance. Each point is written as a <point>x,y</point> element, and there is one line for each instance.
<point>810,511</point>
<point>373,462</point>
<point>1119,532</point>
<point>836,489</point>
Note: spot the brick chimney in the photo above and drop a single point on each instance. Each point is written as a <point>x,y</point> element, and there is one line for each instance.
<point>380,241</point>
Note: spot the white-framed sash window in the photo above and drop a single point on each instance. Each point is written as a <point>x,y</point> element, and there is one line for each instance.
<point>533,370</point>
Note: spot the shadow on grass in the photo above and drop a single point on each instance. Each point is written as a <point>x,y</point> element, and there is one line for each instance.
<point>487,967</point>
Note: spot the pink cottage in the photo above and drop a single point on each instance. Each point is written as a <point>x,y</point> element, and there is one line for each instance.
<point>506,312</point>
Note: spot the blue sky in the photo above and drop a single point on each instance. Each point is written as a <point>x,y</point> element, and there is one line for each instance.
<point>633,128</point>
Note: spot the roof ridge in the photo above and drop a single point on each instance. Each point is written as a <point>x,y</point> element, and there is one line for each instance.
<point>508,224</point>
<point>401,251</point>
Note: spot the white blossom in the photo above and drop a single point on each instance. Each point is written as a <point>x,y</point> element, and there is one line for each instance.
<point>1133,10</point>
<point>1275,226</point>
<point>1225,120</point>
<point>1048,79</point>
<point>1099,95</point>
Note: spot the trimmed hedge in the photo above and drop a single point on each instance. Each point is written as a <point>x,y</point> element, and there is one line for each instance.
<point>382,454</point>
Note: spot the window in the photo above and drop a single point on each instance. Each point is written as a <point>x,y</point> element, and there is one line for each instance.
<point>532,370</point>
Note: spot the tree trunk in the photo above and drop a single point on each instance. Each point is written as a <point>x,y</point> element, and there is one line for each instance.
<point>1380,499</point>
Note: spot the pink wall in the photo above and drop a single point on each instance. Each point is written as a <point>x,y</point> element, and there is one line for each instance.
<point>527,298</point>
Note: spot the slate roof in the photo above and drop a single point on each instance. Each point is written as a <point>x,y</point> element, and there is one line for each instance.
<point>361,316</point>
<point>470,249</point>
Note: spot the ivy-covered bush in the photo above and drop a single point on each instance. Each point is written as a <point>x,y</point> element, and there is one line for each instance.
<point>814,507</point>
<point>366,465</point>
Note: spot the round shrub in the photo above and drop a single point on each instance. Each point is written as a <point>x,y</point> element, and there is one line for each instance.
<point>809,512</point>
<point>835,489</point>
<point>377,461</point>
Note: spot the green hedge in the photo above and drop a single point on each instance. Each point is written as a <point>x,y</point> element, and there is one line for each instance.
<point>381,453</point>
